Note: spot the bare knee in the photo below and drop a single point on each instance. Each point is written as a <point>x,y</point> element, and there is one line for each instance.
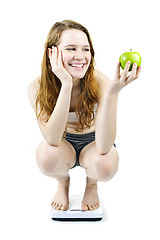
<point>52,160</point>
<point>46,157</point>
<point>107,165</point>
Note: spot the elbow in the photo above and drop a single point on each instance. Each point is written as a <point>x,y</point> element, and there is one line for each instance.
<point>104,144</point>
<point>103,151</point>
<point>52,142</point>
<point>104,148</point>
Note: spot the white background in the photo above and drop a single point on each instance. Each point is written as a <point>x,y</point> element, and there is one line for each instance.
<point>131,199</point>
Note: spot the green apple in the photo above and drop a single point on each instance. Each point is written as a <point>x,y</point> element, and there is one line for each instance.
<point>133,57</point>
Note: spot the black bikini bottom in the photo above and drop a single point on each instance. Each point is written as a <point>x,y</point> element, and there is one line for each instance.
<point>79,141</point>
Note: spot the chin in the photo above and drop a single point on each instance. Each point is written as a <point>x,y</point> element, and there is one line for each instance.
<point>77,75</point>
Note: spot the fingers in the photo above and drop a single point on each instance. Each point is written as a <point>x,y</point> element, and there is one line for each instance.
<point>55,56</point>
<point>117,73</point>
<point>125,73</point>
<point>138,72</point>
<point>49,51</point>
<point>134,74</point>
<point>60,57</point>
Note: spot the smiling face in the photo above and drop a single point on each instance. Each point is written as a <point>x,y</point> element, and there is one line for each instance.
<point>76,52</point>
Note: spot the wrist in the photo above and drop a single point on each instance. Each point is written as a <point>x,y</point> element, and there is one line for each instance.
<point>67,85</point>
<point>112,93</point>
<point>114,88</point>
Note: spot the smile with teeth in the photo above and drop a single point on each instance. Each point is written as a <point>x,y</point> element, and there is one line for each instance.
<point>77,65</point>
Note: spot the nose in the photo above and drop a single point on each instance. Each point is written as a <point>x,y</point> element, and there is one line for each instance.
<point>78,55</point>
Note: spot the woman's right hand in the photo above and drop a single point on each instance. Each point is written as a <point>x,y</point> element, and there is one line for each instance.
<point>55,56</point>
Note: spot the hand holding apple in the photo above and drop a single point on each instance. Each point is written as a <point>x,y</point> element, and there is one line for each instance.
<point>123,79</point>
<point>133,57</point>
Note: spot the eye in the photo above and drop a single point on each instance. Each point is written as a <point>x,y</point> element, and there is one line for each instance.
<point>71,49</point>
<point>86,49</point>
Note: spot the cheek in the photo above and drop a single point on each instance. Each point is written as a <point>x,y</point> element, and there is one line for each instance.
<point>63,57</point>
<point>89,58</point>
<point>66,58</point>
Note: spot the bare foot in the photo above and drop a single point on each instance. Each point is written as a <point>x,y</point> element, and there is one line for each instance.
<point>61,198</point>
<point>90,200</point>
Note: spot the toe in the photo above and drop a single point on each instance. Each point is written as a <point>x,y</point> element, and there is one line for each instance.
<point>59,206</point>
<point>56,205</point>
<point>53,204</point>
<point>64,207</point>
<point>91,208</point>
<point>96,205</point>
<point>84,207</point>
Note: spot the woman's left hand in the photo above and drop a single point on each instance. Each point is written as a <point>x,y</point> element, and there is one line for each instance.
<point>122,80</point>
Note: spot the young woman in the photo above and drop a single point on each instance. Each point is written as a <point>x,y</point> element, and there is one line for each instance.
<point>76,109</point>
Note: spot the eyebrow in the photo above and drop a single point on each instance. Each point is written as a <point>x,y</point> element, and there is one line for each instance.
<point>73,45</point>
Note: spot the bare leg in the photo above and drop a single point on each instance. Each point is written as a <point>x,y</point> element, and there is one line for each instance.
<point>61,198</point>
<point>98,168</point>
<point>90,199</point>
<point>55,162</point>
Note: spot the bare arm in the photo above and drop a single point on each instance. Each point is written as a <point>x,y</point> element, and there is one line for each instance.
<point>107,109</point>
<point>105,124</point>
<point>53,130</point>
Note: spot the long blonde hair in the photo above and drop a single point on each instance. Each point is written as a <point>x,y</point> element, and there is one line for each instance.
<point>50,85</point>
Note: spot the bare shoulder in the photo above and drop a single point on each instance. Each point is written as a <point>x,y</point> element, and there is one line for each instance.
<point>32,90</point>
<point>102,80</point>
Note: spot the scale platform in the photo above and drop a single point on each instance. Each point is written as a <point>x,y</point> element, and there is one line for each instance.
<point>75,213</point>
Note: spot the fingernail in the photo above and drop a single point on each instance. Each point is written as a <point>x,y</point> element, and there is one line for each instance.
<point>128,62</point>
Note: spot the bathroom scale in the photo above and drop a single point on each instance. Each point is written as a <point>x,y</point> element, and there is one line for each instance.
<point>75,213</point>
